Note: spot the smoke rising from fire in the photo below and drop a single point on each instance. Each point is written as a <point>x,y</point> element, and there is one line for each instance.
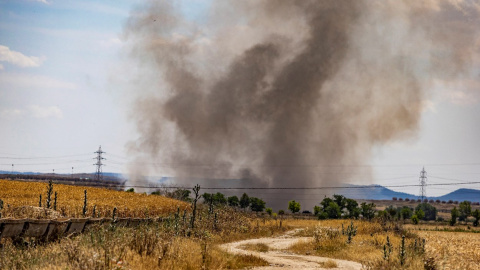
<point>282,93</point>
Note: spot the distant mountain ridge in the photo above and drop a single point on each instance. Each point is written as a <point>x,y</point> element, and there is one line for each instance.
<point>378,192</point>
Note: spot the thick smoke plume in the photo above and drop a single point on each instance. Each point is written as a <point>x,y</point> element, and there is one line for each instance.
<point>288,93</point>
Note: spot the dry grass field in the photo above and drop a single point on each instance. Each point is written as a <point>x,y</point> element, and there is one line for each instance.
<point>18,196</point>
<point>173,244</point>
<point>453,250</point>
<point>443,249</point>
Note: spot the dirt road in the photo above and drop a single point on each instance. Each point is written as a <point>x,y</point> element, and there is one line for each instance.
<point>279,258</point>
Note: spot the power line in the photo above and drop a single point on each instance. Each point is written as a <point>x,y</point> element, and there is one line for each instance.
<point>291,188</point>
<point>50,157</point>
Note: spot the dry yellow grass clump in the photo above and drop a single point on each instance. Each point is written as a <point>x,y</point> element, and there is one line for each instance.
<point>18,194</point>
<point>453,250</point>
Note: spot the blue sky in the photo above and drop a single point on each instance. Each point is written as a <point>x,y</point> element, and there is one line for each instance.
<point>61,94</point>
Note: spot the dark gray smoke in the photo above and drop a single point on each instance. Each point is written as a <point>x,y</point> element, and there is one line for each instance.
<point>286,93</point>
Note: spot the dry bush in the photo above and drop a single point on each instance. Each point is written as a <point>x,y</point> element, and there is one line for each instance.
<point>328,264</point>
<point>259,247</point>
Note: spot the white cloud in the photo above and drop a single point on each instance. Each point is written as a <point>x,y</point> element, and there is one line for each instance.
<point>19,59</point>
<point>9,113</point>
<point>110,43</point>
<point>43,1</point>
<point>17,80</point>
<point>45,112</point>
<point>35,111</point>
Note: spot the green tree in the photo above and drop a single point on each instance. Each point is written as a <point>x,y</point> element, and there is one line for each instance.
<point>406,213</point>
<point>256,204</point>
<point>367,210</point>
<point>325,202</point>
<point>476,215</point>
<point>333,210</point>
<point>316,210</point>
<point>465,210</point>
<point>293,206</point>
<point>352,208</point>
<point>281,212</point>
<point>340,200</point>
<point>219,199</point>
<point>429,210</point>
<point>455,215</point>
<point>233,201</point>
<point>420,214</point>
<point>269,211</point>
<point>244,201</point>
<point>207,198</point>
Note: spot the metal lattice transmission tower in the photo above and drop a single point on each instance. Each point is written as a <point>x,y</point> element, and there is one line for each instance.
<point>99,164</point>
<point>423,184</point>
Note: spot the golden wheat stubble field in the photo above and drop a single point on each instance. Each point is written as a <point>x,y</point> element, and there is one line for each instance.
<point>453,250</point>
<point>17,195</point>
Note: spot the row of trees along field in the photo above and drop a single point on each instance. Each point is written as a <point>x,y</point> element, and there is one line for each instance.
<point>337,207</point>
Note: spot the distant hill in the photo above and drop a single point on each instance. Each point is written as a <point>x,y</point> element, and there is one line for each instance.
<point>378,192</point>
<point>462,194</point>
<point>372,192</point>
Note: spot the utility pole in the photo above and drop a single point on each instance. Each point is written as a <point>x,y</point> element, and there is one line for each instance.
<point>99,164</point>
<point>71,176</point>
<point>12,168</point>
<point>423,184</point>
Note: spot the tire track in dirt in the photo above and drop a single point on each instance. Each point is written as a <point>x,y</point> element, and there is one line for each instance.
<point>279,258</point>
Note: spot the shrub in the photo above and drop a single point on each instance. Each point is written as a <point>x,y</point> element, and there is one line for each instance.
<point>406,212</point>
<point>407,199</point>
<point>256,204</point>
<point>269,211</point>
<point>244,201</point>
<point>476,215</point>
<point>367,210</point>
<point>281,212</point>
<point>130,190</point>
<point>430,212</point>
<point>293,206</point>
<point>465,210</point>
<point>394,198</point>
<point>454,217</point>
<point>415,219</point>
<point>233,201</point>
